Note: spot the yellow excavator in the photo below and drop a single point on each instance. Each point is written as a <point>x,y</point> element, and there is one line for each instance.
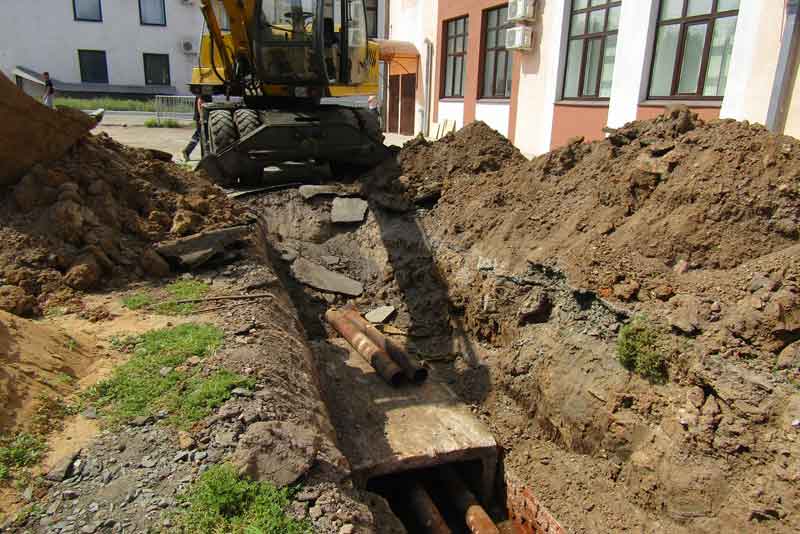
<point>270,63</point>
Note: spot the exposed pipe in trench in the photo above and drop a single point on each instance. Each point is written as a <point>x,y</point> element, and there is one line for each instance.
<point>477,519</point>
<point>413,370</point>
<point>378,358</point>
<point>426,511</point>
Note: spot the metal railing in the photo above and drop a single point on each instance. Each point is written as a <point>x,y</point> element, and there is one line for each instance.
<point>174,107</point>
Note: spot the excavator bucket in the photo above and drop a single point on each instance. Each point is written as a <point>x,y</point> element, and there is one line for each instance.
<point>33,133</point>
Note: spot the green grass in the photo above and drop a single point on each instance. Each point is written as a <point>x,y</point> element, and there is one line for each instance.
<point>182,290</point>
<point>163,123</point>
<point>638,350</point>
<point>137,387</point>
<point>221,501</point>
<point>110,104</point>
<point>18,452</point>
<point>137,301</point>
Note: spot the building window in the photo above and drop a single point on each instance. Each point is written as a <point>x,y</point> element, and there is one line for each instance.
<point>693,48</point>
<point>94,68</point>
<point>372,18</point>
<point>592,48</point>
<point>496,60</point>
<point>87,10</point>
<point>156,69</point>
<point>152,13</point>
<point>455,60</point>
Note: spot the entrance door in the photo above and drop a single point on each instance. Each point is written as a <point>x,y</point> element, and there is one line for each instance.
<point>408,94</point>
<point>393,109</point>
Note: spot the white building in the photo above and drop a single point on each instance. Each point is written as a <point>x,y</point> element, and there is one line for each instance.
<point>111,47</point>
<point>594,64</point>
<point>122,47</point>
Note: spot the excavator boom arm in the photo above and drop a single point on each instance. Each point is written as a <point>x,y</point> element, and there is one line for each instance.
<point>239,13</point>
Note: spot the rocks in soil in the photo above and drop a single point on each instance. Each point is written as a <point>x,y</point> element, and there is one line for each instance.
<point>319,277</point>
<point>62,469</point>
<point>380,314</point>
<point>277,452</point>
<point>14,299</point>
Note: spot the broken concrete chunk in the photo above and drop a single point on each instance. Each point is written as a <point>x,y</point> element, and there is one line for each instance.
<point>276,452</point>
<point>310,191</point>
<point>321,278</point>
<point>348,210</point>
<point>379,315</point>
<point>62,469</point>
<point>197,249</point>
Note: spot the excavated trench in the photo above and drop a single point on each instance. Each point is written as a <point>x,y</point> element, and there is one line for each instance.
<point>422,447</point>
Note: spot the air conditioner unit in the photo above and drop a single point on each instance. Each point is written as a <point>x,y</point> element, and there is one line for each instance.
<point>188,46</point>
<point>521,10</point>
<point>187,2</point>
<point>519,38</point>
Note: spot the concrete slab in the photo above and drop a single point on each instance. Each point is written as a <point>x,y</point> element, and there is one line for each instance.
<point>321,278</point>
<point>348,210</point>
<point>310,191</point>
<point>384,430</point>
<point>380,314</point>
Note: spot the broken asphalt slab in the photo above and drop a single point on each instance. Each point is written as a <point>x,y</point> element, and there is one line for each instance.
<point>323,279</point>
<point>348,210</point>
<point>194,250</point>
<point>310,191</point>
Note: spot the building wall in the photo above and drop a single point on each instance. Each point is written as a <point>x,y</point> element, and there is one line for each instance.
<point>495,114</point>
<point>470,102</point>
<point>43,35</point>
<point>793,113</point>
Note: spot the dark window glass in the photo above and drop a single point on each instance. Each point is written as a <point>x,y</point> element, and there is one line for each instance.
<point>152,12</point>
<point>372,18</point>
<point>496,59</point>
<point>89,10</point>
<point>156,69</point>
<point>694,42</point>
<point>455,58</point>
<point>222,16</point>
<point>592,49</point>
<point>94,68</point>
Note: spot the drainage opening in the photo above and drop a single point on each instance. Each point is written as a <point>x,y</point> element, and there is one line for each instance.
<point>442,500</point>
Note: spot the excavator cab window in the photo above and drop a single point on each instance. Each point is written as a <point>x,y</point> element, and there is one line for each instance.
<point>285,42</point>
<point>345,40</point>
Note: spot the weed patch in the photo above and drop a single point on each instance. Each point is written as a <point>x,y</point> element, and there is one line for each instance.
<point>19,452</point>
<point>182,290</point>
<point>163,123</point>
<point>153,379</point>
<point>221,501</point>
<point>109,104</point>
<point>137,301</point>
<point>638,350</point>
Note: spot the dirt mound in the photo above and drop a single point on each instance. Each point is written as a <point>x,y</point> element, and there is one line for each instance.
<point>92,216</point>
<point>37,361</point>
<point>420,169</point>
<point>33,133</point>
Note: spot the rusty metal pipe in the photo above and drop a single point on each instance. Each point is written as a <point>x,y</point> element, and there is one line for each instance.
<point>426,511</point>
<point>377,357</point>
<point>412,368</point>
<point>477,519</point>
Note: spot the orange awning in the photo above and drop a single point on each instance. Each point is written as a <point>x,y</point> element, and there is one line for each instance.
<point>392,50</point>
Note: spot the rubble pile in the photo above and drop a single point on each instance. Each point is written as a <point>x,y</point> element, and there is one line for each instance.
<point>93,215</point>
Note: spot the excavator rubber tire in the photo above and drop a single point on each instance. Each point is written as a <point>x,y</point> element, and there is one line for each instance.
<point>247,121</point>
<point>370,124</point>
<point>222,130</point>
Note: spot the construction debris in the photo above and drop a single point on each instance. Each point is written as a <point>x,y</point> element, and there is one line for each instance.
<point>380,314</point>
<point>323,279</point>
<point>348,210</point>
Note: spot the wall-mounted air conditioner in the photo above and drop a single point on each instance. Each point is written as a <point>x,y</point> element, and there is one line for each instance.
<point>521,10</point>
<point>519,38</point>
<point>188,46</point>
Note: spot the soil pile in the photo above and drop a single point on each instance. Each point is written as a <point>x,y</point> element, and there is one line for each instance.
<point>37,361</point>
<point>91,216</point>
<point>420,169</point>
<point>33,133</point>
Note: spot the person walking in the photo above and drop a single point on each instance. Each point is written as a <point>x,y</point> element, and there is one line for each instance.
<point>198,104</point>
<point>48,99</point>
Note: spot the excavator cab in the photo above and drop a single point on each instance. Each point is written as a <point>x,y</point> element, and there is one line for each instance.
<point>271,70</point>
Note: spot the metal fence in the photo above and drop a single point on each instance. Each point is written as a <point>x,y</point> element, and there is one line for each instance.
<point>174,107</point>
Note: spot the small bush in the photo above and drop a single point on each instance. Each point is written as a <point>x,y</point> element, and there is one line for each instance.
<point>638,350</point>
<point>20,451</point>
<point>221,501</point>
<point>163,123</point>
